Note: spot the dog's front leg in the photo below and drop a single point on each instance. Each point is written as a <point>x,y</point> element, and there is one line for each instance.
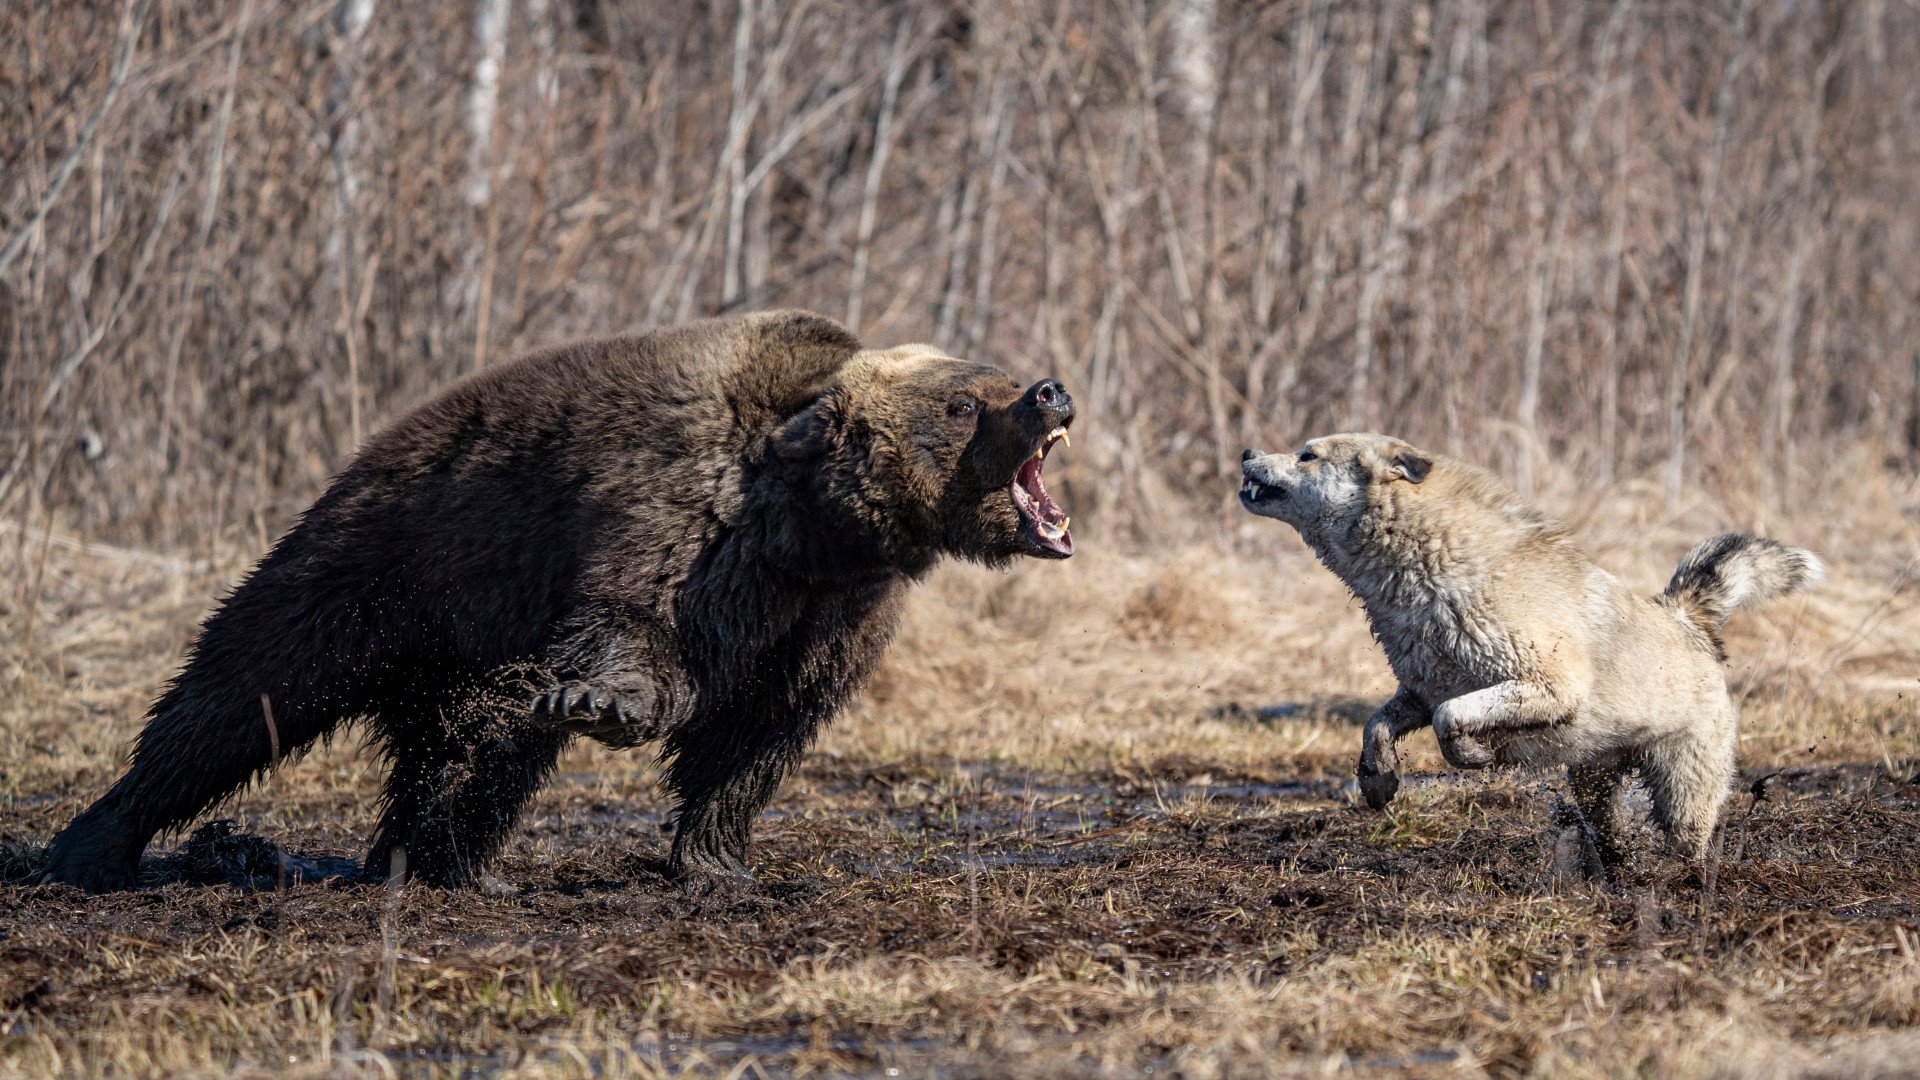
<point>1463,723</point>
<point>1379,771</point>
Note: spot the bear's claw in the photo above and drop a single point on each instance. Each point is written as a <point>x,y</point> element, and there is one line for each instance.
<point>611,718</point>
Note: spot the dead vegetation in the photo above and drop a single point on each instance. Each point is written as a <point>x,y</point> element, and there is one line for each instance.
<point>1091,836</point>
<point>1636,238</point>
<point>1651,260</point>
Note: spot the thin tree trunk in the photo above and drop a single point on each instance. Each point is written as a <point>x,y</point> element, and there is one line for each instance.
<point>546,79</point>
<point>1696,263</point>
<point>953,295</point>
<point>1778,435</point>
<point>350,21</point>
<point>483,98</point>
<point>1002,137</point>
<point>1610,299</point>
<point>736,160</point>
<point>897,64</point>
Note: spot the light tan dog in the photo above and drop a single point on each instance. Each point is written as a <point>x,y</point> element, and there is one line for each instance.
<point>1513,644</point>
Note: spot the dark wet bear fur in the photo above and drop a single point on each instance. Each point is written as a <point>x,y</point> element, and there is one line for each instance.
<point>701,535</point>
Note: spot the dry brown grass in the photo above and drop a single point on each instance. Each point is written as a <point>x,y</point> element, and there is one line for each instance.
<point>1092,820</point>
<point>1651,259</point>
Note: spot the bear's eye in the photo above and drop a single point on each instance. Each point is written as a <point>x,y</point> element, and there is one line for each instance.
<point>1308,455</point>
<point>962,407</point>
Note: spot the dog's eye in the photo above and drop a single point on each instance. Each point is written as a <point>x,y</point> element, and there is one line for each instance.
<point>962,407</point>
<point>1308,455</point>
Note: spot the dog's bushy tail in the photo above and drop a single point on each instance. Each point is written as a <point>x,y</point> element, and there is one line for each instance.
<point>1735,570</point>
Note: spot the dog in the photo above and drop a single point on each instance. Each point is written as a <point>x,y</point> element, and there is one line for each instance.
<point>1515,646</point>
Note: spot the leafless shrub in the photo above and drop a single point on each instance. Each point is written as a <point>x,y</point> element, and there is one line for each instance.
<point>1632,238</point>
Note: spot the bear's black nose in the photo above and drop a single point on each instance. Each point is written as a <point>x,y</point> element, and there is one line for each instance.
<point>1049,396</point>
<point>1248,455</point>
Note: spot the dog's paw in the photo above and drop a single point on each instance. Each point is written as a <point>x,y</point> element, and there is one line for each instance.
<point>1378,772</point>
<point>1462,751</point>
<point>1377,786</point>
<point>1465,751</point>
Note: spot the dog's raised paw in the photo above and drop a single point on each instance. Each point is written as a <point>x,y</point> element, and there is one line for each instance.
<point>1466,752</point>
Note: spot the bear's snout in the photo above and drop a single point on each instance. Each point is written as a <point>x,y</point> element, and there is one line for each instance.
<point>1049,399</point>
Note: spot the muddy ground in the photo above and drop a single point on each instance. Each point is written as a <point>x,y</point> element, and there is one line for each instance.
<point>1113,896</point>
<point>1090,820</point>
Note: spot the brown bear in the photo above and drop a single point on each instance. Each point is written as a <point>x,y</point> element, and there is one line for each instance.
<point>700,535</point>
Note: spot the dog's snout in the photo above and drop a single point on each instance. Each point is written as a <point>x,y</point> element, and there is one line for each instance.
<point>1248,455</point>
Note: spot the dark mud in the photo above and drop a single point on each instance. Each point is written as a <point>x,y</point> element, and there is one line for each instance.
<point>1178,872</point>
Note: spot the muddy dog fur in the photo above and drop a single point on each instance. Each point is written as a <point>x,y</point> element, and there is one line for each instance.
<point>700,536</point>
<point>1512,644</point>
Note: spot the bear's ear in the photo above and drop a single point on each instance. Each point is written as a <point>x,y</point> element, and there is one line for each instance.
<point>1410,465</point>
<point>811,432</point>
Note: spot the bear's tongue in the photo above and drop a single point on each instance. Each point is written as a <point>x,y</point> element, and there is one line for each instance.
<point>1045,522</point>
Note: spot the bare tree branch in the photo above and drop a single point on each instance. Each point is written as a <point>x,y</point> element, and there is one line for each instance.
<point>130,43</point>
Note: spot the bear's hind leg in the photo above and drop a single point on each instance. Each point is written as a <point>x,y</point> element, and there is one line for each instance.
<point>456,786</point>
<point>197,749</point>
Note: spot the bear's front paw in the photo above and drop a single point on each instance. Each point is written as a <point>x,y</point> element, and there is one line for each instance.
<point>615,719</point>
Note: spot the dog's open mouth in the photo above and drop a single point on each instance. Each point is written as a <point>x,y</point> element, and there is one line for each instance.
<point>1043,522</point>
<point>1253,491</point>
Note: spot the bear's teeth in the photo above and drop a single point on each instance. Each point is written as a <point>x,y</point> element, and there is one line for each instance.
<point>1059,434</point>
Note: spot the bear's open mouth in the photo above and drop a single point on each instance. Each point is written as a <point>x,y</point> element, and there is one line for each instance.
<point>1043,522</point>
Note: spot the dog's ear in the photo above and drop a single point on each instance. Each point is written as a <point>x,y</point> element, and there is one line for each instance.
<point>1410,465</point>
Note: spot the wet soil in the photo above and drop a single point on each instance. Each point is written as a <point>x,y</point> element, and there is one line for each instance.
<point>1180,871</point>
